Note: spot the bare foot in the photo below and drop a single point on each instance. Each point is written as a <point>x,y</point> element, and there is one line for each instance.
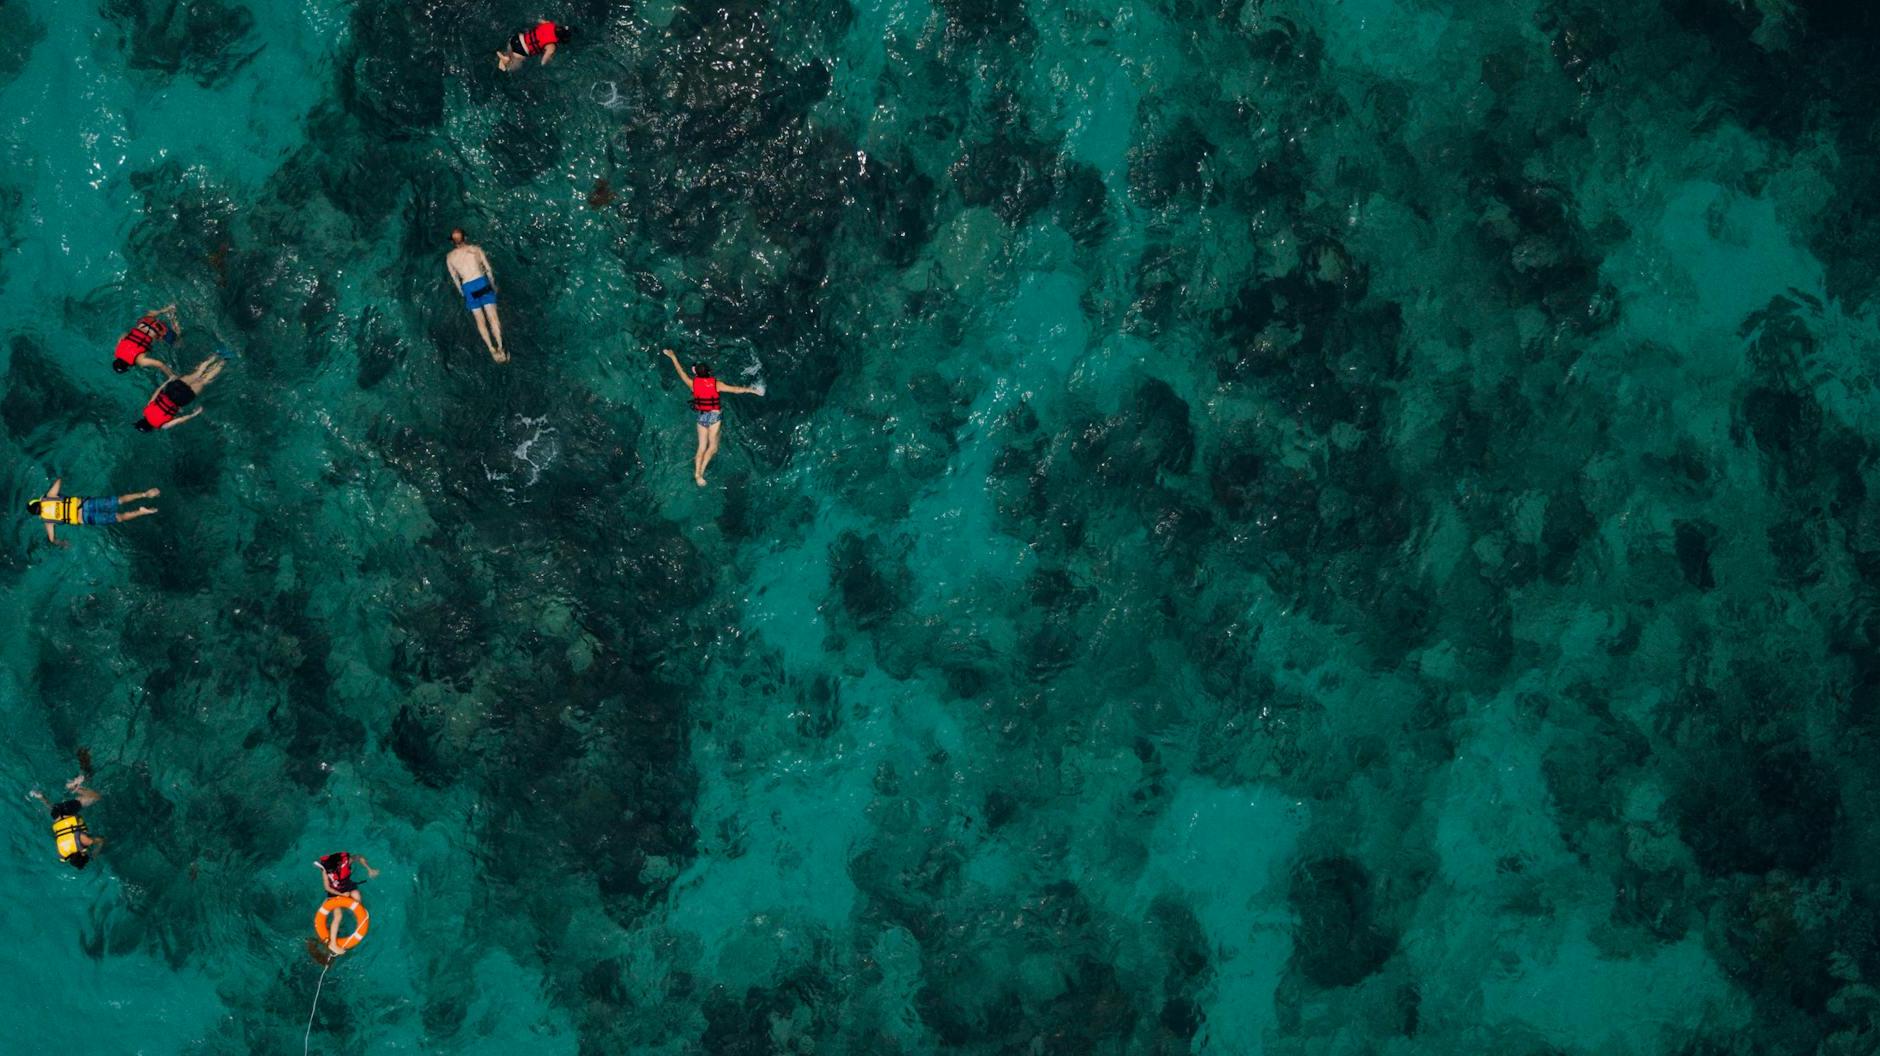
<point>500,355</point>
<point>696,479</point>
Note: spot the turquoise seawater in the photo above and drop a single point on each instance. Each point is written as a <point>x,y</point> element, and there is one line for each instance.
<point>1275,526</point>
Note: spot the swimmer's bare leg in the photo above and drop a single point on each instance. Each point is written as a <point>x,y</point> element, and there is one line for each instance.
<point>698,456</point>
<point>136,495</point>
<point>709,448</point>
<point>205,372</point>
<point>483,331</point>
<point>501,352</point>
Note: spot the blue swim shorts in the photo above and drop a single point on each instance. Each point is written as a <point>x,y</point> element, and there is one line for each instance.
<point>711,417</point>
<point>99,511</point>
<point>478,293</point>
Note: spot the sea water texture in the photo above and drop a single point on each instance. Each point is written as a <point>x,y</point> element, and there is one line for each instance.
<point>1276,526</point>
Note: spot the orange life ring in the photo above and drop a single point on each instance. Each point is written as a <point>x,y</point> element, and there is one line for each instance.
<point>342,902</point>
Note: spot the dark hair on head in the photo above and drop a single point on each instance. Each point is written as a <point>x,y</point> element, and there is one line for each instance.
<point>143,426</point>
<point>33,507</point>
<point>80,860</point>
<point>564,32</point>
<point>120,366</point>
<point>458,232</point>
<point>703,370</point>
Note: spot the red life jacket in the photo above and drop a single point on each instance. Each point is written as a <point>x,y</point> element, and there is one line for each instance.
<point>148,331</point>
<point>705,395</point>
<point>540,37</point>
<point>161,410</point>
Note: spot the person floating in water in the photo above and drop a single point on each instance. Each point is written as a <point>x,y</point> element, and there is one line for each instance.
<point>472,273</point>
<point>328,942</point>
<point>134,347</point>
<point>705,400</point>
<point>164,411</point>
<point>75,509</point>
<point>336,872</point>
<point>74,843</point>
<point>538,41</point>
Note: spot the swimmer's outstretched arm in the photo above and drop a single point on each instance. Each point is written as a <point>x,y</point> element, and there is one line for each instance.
<point>683,376</point>
<point>371,873</point>
<point>738,389</point>
<point>53,493</point>
<point>174,422</point>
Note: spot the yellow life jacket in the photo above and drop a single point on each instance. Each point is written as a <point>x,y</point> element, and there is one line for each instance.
<point>63,511</point>
<point>66,830</point>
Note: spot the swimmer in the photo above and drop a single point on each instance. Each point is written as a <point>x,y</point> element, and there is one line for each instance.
<point>78,510</point>
<point>336,872</point>
<point>134,346</point>
<point>326,924</point>
<point>705,401</point>
<point>164,411</point>
<point>538,41</point>
<point>74,844</point>
<point>472,273</point>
